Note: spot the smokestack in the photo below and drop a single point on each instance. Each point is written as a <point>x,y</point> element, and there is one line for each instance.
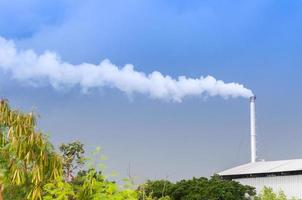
<point>253,129</point>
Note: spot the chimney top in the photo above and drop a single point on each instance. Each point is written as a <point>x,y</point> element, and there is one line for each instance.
<point>252,98</point>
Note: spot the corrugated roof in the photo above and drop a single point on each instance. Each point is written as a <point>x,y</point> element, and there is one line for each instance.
<point>265,167</point>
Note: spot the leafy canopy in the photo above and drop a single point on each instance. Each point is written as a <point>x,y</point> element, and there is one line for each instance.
<point>27,159</point>
<point>199,189</point>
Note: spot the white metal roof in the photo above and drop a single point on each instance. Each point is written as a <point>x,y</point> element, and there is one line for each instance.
<point>265,167</point>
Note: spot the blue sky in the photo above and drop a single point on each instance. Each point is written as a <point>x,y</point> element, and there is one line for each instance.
<point>256,43</point>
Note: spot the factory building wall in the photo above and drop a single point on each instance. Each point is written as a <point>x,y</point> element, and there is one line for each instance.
<point>290,185</point>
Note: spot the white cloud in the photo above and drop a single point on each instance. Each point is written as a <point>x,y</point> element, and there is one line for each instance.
<point>28,66</point>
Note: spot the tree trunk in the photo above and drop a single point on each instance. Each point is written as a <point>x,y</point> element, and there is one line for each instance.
<point>1,191</point>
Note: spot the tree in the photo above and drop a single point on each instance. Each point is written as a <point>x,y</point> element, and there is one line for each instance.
<point>228,189</point>
<point>199,189</point>
<point>72,158</point>
<point>27,159</point>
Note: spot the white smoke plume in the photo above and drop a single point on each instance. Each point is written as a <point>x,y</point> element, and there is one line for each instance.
<point>28,66</point>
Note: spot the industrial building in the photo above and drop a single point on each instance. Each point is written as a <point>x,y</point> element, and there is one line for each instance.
<point>285,175</point>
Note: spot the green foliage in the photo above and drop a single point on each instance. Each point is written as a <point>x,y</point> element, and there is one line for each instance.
<point>268,194</point>
<point>58,190</point>
<point>198,189</point>
<point>93,187</point>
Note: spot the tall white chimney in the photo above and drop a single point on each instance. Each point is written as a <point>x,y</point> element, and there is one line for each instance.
<point>253,129</point>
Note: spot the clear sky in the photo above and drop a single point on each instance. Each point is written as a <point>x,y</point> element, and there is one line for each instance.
<point>257,43</point>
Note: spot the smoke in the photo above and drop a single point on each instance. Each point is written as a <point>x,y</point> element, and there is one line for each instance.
<point>28,66</point>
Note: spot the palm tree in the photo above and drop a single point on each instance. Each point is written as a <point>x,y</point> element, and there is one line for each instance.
<point>26,157</point>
